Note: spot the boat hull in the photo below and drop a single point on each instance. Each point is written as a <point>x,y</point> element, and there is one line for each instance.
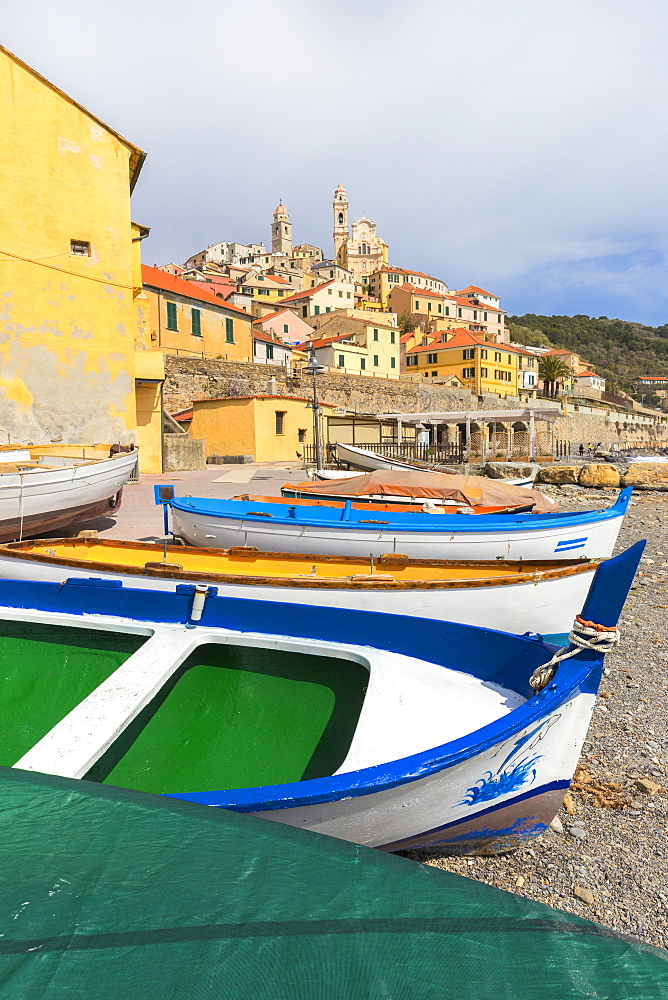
<point>449,747</point>
<point>543,603</point>
<point>551,540</point>
<point>45,500</point>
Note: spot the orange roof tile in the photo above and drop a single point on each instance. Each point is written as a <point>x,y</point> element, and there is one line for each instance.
<point>307,292</point>
<point>391,269</point>
<point>261,335</point>
<point>153,278</point>
<point>323,341</point>
<point>479,291</point>
<point>588,375</point>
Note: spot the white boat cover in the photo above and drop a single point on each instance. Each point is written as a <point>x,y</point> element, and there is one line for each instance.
<point>473,490</point>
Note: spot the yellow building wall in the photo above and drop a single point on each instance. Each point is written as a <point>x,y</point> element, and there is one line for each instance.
<point>452,362</point>
<point>67,322</point>
<point>248,427</point>
<point>213,339</point>
<point>226,425</point>
<point>273,447</point>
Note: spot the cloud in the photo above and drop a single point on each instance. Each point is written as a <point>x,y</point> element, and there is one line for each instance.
<point>515,145</point>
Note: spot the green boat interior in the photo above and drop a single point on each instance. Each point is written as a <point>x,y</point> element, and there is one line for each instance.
<point>46,671</point>
<point>237,717</point>
<point>230,716</point>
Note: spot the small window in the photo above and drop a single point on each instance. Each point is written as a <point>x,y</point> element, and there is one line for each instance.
<point>280,421</point>
<point>440,309</point>
<point>393,363</point>
<point>432,359</point>
<point>304,310</point>
<point>417,305</point>
<point>483,352</point>
<point>468,372</point>
<point>270,352</point>
<point>301,435</point>
<point>171,316</point>
<point>428,306</point>
<point>229,330</point>
<point>316,310</point>
<point>393,337</point>
<point>196,317</point>
<point>483,373</point>
<point>469,354</point>
<point>375,334</point>
<point>434,373</point>
<point>459,313</point>
<point>80,247</point>
<point>347,295</point>
<point>497,355</point>
<point>412,361</point>
<point>447,310</point>
<point>340,295</point>
<point>484,315</point>
<point>375,361</point>
<point>328,309</point>
<point>362,363</point>
<point>329,291</point>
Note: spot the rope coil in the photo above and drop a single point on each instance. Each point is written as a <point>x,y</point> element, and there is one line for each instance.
<point>583,635</point>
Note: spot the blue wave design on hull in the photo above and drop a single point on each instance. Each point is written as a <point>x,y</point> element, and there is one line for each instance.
<point>492,786</point>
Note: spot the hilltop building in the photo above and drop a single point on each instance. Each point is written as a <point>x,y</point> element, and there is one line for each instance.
<point>361,250</point>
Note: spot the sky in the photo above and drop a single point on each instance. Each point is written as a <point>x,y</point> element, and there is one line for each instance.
<point>518,145</point>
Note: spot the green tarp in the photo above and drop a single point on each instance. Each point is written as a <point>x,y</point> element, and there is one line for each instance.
<point>114,894</point>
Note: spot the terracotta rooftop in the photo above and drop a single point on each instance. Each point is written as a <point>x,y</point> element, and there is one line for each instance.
<point>153,278</point>
<point>307,292</point>
<point>478,291</point>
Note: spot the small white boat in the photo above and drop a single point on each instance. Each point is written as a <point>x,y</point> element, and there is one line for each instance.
<point>370,461</point>
<point>51,486</point>
<point>373,728</point>
<point>511,596</point>
<point>352,531</point>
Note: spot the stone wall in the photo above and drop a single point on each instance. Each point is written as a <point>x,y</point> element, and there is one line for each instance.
<point>198,378</point>
<point>181,453</point>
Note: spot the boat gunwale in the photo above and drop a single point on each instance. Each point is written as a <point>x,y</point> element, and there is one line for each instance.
<point>447,524</point>
<point>573,675</point>
<point>555,569</point>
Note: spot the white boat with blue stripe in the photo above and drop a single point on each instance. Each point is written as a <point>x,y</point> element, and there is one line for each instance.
<point>351,531</point>
<point>379,729</point>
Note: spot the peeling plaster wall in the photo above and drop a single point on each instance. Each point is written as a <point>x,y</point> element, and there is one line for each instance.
<point>67,322</point>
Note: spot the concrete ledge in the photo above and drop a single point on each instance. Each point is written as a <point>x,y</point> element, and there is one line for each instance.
<point>181,453</point>
<point>230,460</point>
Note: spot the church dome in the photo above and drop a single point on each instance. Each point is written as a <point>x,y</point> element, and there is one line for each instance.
<point>280,211</point>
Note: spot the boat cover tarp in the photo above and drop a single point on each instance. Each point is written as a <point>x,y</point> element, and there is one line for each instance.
<point>473,490</point>
<point>117,895</point>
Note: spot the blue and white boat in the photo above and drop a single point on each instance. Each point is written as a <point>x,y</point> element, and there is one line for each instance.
<point>350,531</point>
<point>379,729</point>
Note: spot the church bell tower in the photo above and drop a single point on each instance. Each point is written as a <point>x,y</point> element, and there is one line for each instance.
<point>341,233</point>
<point>281,231</point>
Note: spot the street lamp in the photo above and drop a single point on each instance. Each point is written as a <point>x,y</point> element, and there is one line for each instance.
<point>313,367</point>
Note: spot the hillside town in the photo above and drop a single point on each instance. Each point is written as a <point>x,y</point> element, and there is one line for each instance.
<point>309,558</point>
<point>150,348</point>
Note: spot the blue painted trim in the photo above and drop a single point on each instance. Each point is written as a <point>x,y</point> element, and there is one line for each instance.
<point>407,769</point>
<point>311,516</point>
<point>550,786</point>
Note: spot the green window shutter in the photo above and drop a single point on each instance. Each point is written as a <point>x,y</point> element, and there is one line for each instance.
<point>196,323</point>
<point>229,330</point>
<point>342,361</point>
<point>362,363</point>
<point>304,310</point>
<point>375,360</point>
<point>393,337</point>
<point>171,316</point>
<point>270,352</point>
<point>316,310</point>
<point>286,329</point>
<point>393,363</point>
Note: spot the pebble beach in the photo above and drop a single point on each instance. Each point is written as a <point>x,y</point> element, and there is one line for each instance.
<point>606,857</point>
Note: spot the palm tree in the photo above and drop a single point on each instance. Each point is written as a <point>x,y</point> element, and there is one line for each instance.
<point>553,371</point>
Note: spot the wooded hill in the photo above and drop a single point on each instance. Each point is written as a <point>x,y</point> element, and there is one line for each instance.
<point>619,351</point>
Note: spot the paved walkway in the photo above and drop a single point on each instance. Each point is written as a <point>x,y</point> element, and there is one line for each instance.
<point>139,519</point>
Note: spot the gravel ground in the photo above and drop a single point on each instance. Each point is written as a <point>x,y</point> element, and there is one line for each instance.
<point>608,858</point>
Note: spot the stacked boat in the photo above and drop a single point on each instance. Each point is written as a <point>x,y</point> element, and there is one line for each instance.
<point>382,671</point>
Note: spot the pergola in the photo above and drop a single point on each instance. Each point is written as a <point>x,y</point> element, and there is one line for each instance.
<point>528,414</point>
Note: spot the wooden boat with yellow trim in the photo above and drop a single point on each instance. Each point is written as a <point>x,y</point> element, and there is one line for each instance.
<point>48,487</point>
<point>512,596</point>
